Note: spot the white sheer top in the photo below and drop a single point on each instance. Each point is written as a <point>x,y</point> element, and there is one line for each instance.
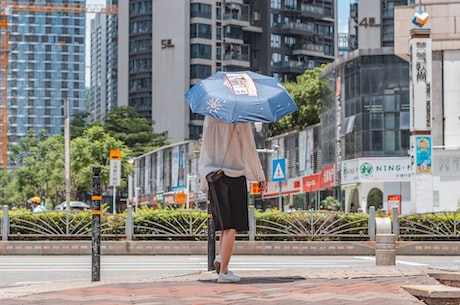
<point>241,159</point>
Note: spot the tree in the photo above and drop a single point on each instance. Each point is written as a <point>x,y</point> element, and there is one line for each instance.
<point>93,149</point>
<point>41,170</point>
<point>125,124</point>
<point>307,93</point>
<point>79,123</point>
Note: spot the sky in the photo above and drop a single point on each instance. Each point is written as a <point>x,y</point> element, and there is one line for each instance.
<point>343,13</point>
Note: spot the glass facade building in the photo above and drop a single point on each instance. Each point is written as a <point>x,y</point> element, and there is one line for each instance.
<point>377,109</point>
<point>140,57</point>
<point>46,66</point>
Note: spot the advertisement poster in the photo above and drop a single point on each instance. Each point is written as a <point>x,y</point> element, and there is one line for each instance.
<point>175,167</point>
<point>394,201</point>
<point>309,152</point>
<point>159,175</point>
<point>302,151</point>
<point>423,155</point>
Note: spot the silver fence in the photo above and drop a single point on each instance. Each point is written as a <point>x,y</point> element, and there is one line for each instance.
<point>192,224</point>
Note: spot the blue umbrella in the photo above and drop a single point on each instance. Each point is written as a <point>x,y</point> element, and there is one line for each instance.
<point>241,97</point>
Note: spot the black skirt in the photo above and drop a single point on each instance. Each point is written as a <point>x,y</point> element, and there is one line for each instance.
<point>229,203</point>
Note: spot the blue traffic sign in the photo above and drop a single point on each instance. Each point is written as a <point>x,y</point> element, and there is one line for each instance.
<point>279,170</point>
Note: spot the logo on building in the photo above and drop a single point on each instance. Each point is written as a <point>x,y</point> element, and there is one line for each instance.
<point>366,169</point>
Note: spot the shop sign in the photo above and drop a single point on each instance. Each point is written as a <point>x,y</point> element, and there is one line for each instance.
<point>327,177</point>
<point>372,169</point>
<point>310,183</point>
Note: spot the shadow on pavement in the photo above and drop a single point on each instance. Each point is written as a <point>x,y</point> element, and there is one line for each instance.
<point>262,280</point>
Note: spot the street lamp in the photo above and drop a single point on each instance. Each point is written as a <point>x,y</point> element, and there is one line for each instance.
<point>67,152</point>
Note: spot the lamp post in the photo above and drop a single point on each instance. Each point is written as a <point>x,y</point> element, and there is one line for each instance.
<point>67,152</point>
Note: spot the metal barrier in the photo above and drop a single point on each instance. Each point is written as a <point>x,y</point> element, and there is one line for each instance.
<point>192,225</point>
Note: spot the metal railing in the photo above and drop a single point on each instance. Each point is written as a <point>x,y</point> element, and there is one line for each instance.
<point>435,225</point>
<point>184,224</point>
<point>193,225</point>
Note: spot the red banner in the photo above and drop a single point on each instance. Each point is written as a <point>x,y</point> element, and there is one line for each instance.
<point>311,183</point>
<point>327,177</point>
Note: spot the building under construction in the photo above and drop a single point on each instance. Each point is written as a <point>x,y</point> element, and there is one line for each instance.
<point>42,62</point>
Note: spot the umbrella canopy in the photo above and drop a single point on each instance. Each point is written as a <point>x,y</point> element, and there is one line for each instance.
<point>241,97</point>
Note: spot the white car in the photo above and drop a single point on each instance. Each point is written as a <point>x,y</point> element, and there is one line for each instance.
<point>74,205</point>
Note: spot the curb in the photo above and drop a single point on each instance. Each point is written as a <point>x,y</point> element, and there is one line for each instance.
<point>241,247</point>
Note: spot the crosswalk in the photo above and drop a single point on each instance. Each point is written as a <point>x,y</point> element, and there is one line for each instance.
<point>52,269</point>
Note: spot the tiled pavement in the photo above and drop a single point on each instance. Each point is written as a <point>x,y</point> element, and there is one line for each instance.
<point>326,286</point>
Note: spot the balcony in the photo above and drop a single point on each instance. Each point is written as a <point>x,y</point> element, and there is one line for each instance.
<point>235,59</point>
<point>308,49</point>
<point>292,66</point>
<point>236,19</point>
<point>298,28</point>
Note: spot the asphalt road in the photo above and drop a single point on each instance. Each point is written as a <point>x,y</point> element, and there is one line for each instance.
<point>46,270</point>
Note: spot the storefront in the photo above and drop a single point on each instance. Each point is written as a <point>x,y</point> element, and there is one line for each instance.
<point>363,178</point>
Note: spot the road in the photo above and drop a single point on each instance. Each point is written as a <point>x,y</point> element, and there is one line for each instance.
<point>46,270</point>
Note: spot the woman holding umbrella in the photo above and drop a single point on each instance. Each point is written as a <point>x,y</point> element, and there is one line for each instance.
<point>230,101</point>
<point>231,148</point>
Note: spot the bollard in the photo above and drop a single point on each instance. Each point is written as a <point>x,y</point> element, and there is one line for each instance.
<point>385,253</point>
<point>252,223</point>
<point>5,223</point>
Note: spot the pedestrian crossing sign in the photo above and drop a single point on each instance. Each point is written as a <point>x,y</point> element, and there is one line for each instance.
<point>279,170</point>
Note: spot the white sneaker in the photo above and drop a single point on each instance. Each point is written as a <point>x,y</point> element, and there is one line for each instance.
<point>228,278</point>
<point>217,262</point>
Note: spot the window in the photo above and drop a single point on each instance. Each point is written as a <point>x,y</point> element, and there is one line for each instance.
<point>289,41</point>
<point>200,51</point>
<point>200,30</point>
<point>200,10</point>
<point>404,120</point>
<point>200,71</point>
<point>275,4</point>
<point>276,60</point>
<point>275,41</point>
<point>275,21</point>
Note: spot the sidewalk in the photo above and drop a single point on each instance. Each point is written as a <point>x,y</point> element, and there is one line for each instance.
<point>326,286</point>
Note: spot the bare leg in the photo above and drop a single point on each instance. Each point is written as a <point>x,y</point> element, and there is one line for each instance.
<point>227,241</point>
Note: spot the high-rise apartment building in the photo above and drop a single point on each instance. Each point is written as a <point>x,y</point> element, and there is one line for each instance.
<point>98,101</point>
<point>46,66</point>
<point>104,64</point>
<point>164,47</point>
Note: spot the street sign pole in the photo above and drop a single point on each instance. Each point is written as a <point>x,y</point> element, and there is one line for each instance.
<point>279,174</point>
<point>280,198</point>
<point>115,175</point>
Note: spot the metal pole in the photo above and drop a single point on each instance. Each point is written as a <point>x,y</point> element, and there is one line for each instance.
<point>280,198</point>
<point>114,199</point>
<point>67,159</point>
<point>187,193</point>
<point>211,238</point>
<point>96,226</point>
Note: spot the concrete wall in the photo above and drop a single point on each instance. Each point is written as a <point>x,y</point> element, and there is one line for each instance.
<point>170,68</point>
<point>123,53</point>
<point>369,36</point>
<point>443,23</point>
